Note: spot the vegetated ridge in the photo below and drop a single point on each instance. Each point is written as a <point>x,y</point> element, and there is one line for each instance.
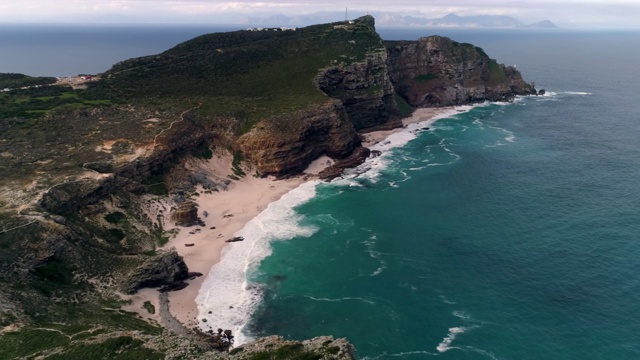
<point>81,168</point>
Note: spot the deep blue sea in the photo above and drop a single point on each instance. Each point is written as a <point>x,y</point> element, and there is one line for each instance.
<point>505,231</point>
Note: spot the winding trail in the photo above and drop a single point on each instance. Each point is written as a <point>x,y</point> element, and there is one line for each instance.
<point>155,138</point>
<point>168,320</point>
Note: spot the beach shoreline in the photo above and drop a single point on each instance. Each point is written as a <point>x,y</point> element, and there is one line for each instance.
<point>227,212</point>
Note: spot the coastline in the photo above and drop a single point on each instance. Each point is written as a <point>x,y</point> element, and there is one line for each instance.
<point>419,115</point>
<point>229,211</point>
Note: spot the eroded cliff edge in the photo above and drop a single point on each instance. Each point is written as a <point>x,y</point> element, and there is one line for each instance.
<point>437,71</point>
<point>74,175</point>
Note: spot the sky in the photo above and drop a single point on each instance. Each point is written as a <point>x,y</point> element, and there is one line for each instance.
<point>564,13</point>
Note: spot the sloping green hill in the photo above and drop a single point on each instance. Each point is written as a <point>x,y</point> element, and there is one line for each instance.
<point>251,74</point>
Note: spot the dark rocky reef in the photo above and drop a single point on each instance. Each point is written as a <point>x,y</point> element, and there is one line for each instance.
<point>437,71</point>
<point>164,269</point>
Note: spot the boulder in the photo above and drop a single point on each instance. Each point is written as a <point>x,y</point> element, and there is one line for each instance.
<point>161,270</point>
<point>186,214</point>
<point>356,158</point>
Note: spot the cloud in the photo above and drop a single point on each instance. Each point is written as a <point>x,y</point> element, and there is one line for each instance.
<point>572,12</point>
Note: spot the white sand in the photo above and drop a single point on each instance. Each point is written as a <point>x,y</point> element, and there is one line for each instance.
<point>419,115</point>
<point>228,211</point>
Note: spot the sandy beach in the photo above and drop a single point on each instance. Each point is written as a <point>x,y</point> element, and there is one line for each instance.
<point>226,212</point>
<point>419,115</point>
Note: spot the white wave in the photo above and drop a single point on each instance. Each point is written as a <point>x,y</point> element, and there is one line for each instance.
<point>511,138</point>
<point>482,352</point>
<point>227,298</point>
<point>576,93</point>
<point>382,264</point>
<point>462,315</point>
<point>341,299</point>
<point>445,345</point>
<point>401,354</point>
<point>378,270</point>
<point>446,301</point>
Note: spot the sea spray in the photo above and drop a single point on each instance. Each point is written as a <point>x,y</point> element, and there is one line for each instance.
<point>227,297</point>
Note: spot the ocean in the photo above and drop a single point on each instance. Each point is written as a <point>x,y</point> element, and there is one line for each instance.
<point>504,231</point>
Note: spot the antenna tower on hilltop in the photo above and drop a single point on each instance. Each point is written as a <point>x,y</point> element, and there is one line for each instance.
<point>345,14</point>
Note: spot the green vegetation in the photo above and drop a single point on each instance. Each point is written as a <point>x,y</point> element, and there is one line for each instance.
<point>16,81</point>
<point>236,350</point>
<point>54,276</point>
<point>203,152</point>
<point>37,102</point>
<point>403,107</point>
<point>333,350</point>
<point>287,352</point>
<point>115,217</point>
<point>236,163</point>
<point>123,348</point>
<point>116,234</point>
<point>247,75</point>
<point>149,307</point>
<point>496,72</point>
<point>155,185</point>
<point>425,77</point>
<point>17,344</point>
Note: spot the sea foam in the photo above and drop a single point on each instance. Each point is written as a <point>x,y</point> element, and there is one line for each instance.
<point>445,345</point>
<point>227,297</point>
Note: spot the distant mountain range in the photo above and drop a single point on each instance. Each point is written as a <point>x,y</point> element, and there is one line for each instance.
<point>395,20</point>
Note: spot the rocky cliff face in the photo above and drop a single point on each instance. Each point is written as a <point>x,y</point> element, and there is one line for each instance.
<point>289,145</point>
<point>364,88</point>
<point>163,269</point>
<point>362,96</point>
<point>437,71</point>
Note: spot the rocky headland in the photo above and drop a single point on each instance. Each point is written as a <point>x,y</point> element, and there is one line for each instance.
<point>95,180</point>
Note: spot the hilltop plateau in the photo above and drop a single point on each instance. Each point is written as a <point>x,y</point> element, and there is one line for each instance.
<point>90,176</point>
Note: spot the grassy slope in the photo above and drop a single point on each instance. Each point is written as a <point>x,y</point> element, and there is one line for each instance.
<point>251,75</point>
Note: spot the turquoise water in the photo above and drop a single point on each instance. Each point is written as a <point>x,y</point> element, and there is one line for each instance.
<point>503,232</point>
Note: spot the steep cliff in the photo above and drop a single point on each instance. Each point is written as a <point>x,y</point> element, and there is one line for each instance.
<point>437,71</point>
<point>288,146</point>
<point>364,88</point>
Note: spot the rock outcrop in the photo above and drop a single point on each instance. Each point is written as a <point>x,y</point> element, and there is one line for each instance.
<point>364,88</point>
<point>164,269</point>
<point>437,71</point>
<point>186,214</point>
<point>288,146</point>
<point>358,156</point>
<point>323,347</point>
